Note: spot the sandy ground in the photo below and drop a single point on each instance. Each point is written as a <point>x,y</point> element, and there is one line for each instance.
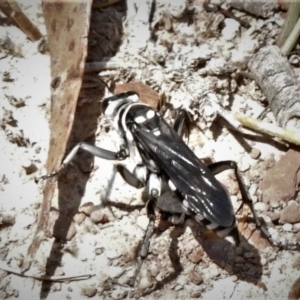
<point>177,267</point>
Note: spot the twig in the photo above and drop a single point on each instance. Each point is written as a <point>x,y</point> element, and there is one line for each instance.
<point>291,40</point>
<point>100,66</point>
<point>270,129</point>
<point>226,115</point>
<point>238,120</point>
<point>290,21</point>
<point>12,10</point>
<point>6,268</point>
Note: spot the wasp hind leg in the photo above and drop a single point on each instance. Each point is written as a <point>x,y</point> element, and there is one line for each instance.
<point>221,166</point>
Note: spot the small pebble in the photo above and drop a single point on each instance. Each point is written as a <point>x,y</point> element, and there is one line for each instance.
<point>142,222</point>
<point>231,29</point>
<point>97,216</point>
<point>274,216</point>
<point>287,227</point>
<point>114,272</point>
<point>196,256</point>
<point>145,283</point>
<point>261,206</point>
<point>296,227</point>
<point>130,273</point>
<point>89,291</point>
<point>195,277</point>
<point>178,287</point>
<point>99,250</point>
<point>79,218</point>
<point>274,204</point>
<point>177,8</point>
<point>263,261</point>
<point>255,153</point>
<point>118,294</point>
<point>112,254</point>
<point>182,280</point>
<point>253,189</point>
<point>161,276</point>
<point>290,214</point>
<point>195,294</point>
<point>154,271</point>
<point>87,208</point>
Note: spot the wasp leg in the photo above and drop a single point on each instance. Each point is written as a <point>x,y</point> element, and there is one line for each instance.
<point>94,150</point>
<point>150,207</point>
<point>129,177</point>
<point>182,121</point>
<point>154,191</point>
<point>136,180</point>
<point>228,164</point>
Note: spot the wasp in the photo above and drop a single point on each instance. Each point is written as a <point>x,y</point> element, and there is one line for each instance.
<point>160,155</point>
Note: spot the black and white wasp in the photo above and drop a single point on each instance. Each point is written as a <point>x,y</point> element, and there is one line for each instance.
<point>160,154</point>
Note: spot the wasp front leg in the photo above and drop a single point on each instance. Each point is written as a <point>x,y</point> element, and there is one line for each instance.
<point>93,150</point>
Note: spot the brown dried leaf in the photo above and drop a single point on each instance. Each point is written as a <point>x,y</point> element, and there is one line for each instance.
<point>67,26</point>
<point>147,95</point>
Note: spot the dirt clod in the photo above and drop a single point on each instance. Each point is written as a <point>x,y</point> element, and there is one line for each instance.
<point>290,214</point>
<point>196,256</point>
<point>279,182</point>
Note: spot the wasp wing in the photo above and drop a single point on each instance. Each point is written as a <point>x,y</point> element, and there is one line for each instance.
<point>203,192</point>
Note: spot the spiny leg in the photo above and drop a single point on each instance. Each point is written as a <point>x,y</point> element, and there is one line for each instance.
<point>154,191</point>
<point>221,166</point>
<point>137,179</point>
<point>150,207</point>
<point>94,150</point>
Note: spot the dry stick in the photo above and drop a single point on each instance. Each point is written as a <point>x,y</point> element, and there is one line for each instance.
<point>290,21</point>
<point>291,40</point>
<point>270,129</point>
<point>12,10</point>
<point>238,120</point>
<point>100,66</point>
<point>6,268</point>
